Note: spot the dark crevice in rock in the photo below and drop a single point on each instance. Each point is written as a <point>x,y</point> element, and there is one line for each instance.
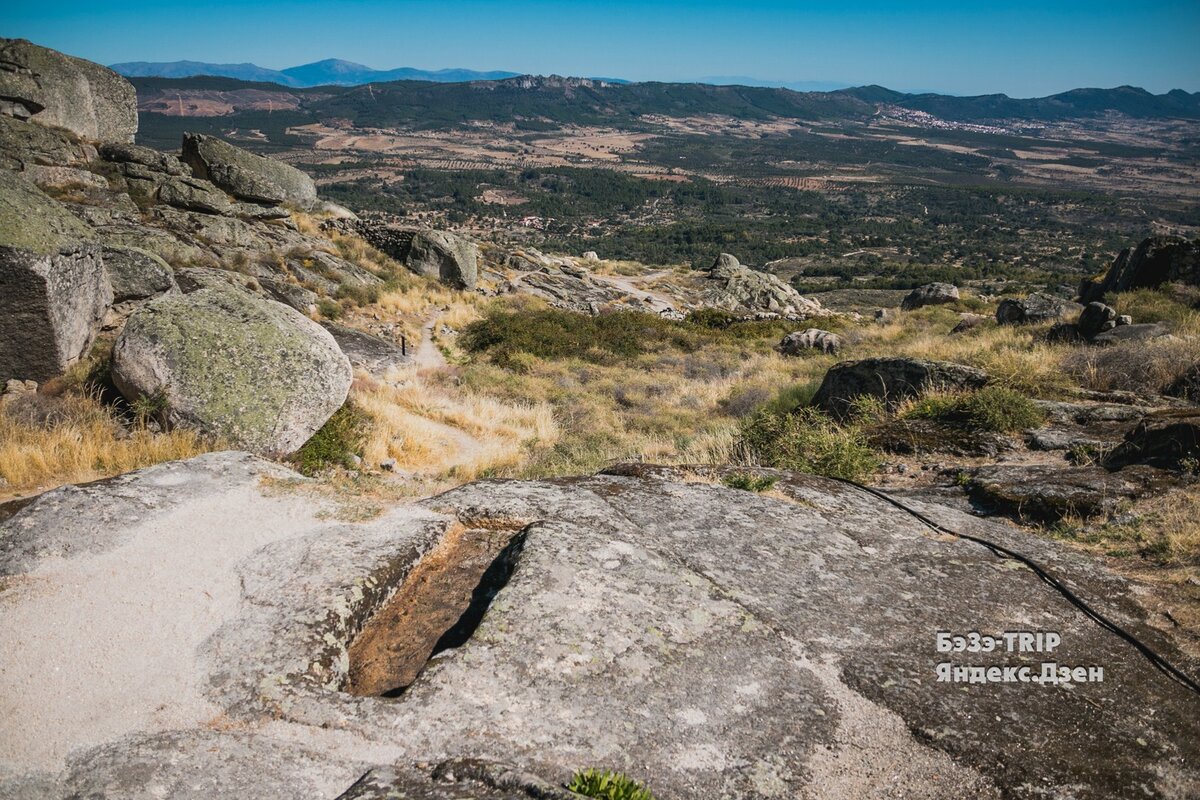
<point>437,608</point>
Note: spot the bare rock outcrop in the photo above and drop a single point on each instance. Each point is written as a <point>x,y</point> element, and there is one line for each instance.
<point>1155,261</point>
<point>740,289</point>
<point>50,88</point>
<point>245,175</point>
<point>650,614</point>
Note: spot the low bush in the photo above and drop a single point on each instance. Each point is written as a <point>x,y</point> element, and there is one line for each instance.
<point>329,309</point>
<point>993,408</point>
<point>339,438</point>
<point>553,333</point>
<point>806,440</point>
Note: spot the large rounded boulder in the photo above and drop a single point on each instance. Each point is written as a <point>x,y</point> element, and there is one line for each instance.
<point>50,88</point>
<point>245,175</point>
<point>253,372</point>
<point>892,380</point>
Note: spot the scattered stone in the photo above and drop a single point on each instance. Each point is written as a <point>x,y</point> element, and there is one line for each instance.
<point>591,255</point>
<point>1155,261</point>
<point>388,465</point>
<point>882,315</point>
<point>1033,309</point>
<point>892,380</point>
<point>253,372</point>
<point>968,322</point>
<point>448,257</point>
<point>56,89</point>
<point>1167,439</point>
<point>931,294</point>
<point>245,175</point>
<point>1124,319</point>
<point>1131,333</point>
<point>797,342</point>
<point>151,159</point>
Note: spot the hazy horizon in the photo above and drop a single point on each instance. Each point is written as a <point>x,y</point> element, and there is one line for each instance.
<point>1021,49</point>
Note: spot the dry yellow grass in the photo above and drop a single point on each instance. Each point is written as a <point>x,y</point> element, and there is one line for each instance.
<point>437,431</point>
<point>78,440</point>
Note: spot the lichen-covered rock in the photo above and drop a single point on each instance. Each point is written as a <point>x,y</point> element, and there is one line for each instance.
<point>1035,308</point>
<point>193,195</point>
<point>136,274</point>
<point>54,291</point>
<point>23,145</point>
<point>452,259</point>
<point>250,371</point>
<point>67,92</point>
<point>796,342</point>
<point>931,294</point>
<point>155,161</point>
<point>245,175</point>
<point>892,380</point>
<point>1156,260</point>
<point>967,322</point>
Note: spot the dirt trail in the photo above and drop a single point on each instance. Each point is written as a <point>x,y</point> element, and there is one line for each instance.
<point>468,449</point>
<point>428,356</point>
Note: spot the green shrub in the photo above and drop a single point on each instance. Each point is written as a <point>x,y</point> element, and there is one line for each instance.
<point>329,309</point>
<point>749,482</point>
<point>359,294</point>
<point>808,441</point>
<point>553,333</point>
<point>608,785</point>
<point>993,408</point>
<point>339,438</point>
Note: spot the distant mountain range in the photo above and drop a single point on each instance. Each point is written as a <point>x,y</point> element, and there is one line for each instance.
<point>330,72</point>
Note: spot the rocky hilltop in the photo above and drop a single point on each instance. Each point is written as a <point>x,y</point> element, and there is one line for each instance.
<point>268,611</point>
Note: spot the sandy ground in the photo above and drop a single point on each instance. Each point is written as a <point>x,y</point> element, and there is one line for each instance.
<point>76,669</point>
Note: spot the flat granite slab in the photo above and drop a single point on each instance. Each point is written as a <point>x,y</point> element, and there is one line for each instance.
<point>184,632</point>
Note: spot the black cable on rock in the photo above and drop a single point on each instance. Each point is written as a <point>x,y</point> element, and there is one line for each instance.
<point>1164,666</point>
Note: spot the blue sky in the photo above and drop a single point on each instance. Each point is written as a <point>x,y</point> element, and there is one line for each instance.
<point>1020,48</point>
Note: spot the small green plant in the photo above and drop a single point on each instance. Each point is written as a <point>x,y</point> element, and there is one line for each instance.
<point>749,482</point>
<point>806,440</point>
<point>149,407</point>
<point>338,439</point>
<point>1082,454</point>
<point>608,785</point>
